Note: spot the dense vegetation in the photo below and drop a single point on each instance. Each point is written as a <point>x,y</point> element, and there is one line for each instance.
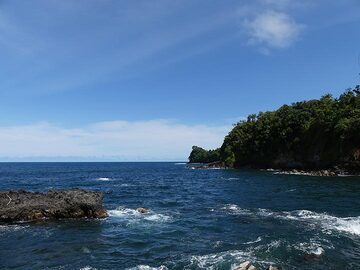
<point>200,155</point>
<point>309,134</point>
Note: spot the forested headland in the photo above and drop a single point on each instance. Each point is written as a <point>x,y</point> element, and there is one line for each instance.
<point>314,134</point>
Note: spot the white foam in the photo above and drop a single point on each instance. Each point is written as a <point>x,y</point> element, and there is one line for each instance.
<point>230,178</point>
<point>257,240</point>
<point>126,185</point>
<point>348,224</point>
<point>273,245</point>
<point>216,260</point>
<point>146,267</point>
<point>133,215</point>
<point>104,179</point>
<point>329,223</point>
<point>180,163</point>
<point>211,261</point>
<point>12,228</point>
<point>312,247</point>
<point>234,209</point>
<point>87,268</point>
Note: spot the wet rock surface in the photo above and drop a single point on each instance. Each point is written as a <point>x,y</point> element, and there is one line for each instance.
<point>142,210</point>
<point>55,204</point>
<point>245,266</point>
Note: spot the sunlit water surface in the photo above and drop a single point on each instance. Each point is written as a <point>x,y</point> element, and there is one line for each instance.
<point>199,219</point>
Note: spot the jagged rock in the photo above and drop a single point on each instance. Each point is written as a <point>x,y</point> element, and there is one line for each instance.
<point>272,268</point>
<point>142,210</point>
<point>211,165</point>
<point>245,266</point>
<point>312,257</point>
<point>73,203</point>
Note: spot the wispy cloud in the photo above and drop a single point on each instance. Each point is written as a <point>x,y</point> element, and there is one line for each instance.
<point>120,140</point>
<point>100,42</point>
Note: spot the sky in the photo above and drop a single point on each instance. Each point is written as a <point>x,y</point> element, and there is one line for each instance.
<point>145,80</point>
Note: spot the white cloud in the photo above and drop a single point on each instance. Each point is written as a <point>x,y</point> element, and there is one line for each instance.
<point>120,140</point>
<point>272,29</point>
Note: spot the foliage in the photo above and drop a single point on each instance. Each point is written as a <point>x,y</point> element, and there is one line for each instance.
<point>314,133</point>
<point>200,155</point>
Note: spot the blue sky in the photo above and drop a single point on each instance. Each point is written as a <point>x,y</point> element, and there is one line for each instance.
<point>145,80</point>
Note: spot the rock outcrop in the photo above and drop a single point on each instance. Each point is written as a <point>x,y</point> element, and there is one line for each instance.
<point>245,266</point>
<point>272,268</point>
<point>211,165</point>
<point>248,266</point>
<point>142,210</point>
<point>55,204</point>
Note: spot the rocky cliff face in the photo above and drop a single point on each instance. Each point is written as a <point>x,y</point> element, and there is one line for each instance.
<point>55,204</point>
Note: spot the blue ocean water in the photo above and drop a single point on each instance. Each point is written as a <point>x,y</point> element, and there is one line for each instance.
<point>199,219</point>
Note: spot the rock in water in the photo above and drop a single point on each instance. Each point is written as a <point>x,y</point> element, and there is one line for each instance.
<point>245,266</point>
<point>73,203</point>
<point>272,268</point>
<point>142,210</point>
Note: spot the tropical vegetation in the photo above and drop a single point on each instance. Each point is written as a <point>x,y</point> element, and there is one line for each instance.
<point>316,133</point>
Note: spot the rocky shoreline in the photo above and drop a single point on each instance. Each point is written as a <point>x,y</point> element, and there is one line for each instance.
<point>24,205</point>
<point>336,171</point>
<point>320,172</point>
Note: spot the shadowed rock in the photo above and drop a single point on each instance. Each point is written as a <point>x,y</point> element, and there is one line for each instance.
<point>74,203</point>
<point>142,210</point>
<point>273,268</point>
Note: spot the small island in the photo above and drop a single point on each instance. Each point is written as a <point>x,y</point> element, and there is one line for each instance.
<point>315,137</point>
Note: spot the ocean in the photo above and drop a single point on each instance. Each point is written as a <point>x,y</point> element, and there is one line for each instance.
<point>199,219</point>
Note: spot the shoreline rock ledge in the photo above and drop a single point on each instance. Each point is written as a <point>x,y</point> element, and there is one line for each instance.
<point>24,205</point>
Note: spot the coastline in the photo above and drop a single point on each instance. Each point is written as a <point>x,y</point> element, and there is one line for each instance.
<point>322,172</point>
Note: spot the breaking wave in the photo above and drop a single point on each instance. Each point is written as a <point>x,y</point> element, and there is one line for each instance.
<point>311,248</point>
<point>231,257</point>
<point>103,179</point>
<point>329,223</point>
<point>133,215</point>
<point>259,239</point>
<point>146,267</point>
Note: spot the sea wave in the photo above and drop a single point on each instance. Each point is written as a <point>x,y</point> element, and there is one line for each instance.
<point>210,261</point>
<point>104,179</point>
<point>311,248</point>
<point>146,267</point>
<point>350,225</point>
<point>257,240</point>
<point>88,268</point>
<point>231,257</point>
<point>134,215</point>
<point>180,163</point>
<point>230,178</point>
<point>12,228</point>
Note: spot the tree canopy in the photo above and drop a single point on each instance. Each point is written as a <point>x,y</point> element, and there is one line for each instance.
<point>317,133</point>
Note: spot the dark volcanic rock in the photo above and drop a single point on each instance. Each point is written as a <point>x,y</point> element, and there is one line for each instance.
<point>74,203</point>
<point>211,165</point>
